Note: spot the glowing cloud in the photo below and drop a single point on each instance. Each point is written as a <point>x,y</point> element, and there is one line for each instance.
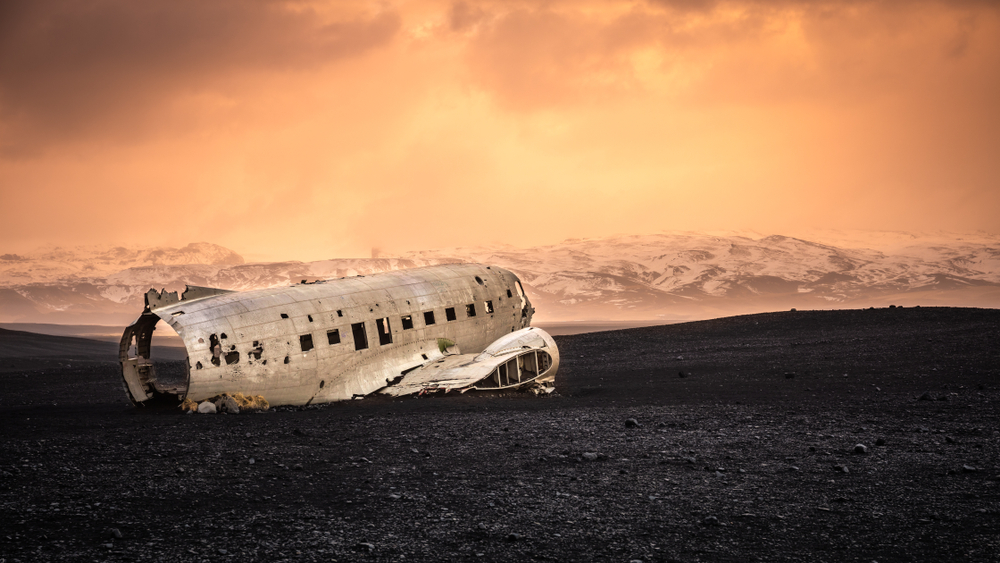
<point>311,129</point>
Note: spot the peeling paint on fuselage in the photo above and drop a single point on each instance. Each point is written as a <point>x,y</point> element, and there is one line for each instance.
<point>280,342</point>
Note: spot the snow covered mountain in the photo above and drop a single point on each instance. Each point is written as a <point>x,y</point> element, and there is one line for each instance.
<point>53,264</point>
<point>668,276</point>
<point>698,275</point>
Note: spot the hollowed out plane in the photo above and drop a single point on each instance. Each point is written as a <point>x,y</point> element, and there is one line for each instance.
<point>439,328</point>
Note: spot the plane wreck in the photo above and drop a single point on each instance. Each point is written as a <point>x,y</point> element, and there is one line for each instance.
<point>440,328</point>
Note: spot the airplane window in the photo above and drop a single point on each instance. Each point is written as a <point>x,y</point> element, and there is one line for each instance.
<point>306,341</point>
<point>509,294</point>
<point>360,336</point>
<point>333,336</point>
<point>470,309</point>
<point>449,313</point>
<point>384,331</point>
<point>429,318</point>
<point>407,322</point>
<point>489,307</point>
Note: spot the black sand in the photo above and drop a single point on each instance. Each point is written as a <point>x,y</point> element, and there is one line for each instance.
<point>741,459</point>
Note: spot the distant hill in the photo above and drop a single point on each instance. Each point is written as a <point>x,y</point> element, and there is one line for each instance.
<point>23,345</point>
<point>667,276</point>
<point>19,344</point>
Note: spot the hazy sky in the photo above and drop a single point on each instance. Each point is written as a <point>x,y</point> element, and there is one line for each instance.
<point>309,130</point>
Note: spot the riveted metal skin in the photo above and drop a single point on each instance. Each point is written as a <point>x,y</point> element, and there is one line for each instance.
<point>331,340</point>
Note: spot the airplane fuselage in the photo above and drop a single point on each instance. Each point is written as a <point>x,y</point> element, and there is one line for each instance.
<point>325,341</point>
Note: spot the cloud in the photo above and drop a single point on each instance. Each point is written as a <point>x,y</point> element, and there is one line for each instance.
<point>100,67</point>
<point>304,130</point>
<point>464,15</point>
<point>545,55</point>
<point>537,57</point>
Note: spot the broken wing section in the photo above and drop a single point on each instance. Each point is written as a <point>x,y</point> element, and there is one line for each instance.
<point>527,358</point>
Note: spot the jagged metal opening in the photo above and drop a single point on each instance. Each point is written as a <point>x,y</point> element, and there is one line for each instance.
<point>150,380</point>
<point>518,371</point>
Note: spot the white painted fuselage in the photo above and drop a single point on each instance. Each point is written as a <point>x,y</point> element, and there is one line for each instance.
<point>335,339</point>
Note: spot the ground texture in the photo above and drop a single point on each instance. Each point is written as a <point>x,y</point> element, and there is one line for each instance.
<point>742,446</point>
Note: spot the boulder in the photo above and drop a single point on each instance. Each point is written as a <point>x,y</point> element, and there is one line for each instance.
<point>227,404</point>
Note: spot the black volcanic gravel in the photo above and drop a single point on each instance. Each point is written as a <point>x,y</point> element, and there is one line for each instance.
<point>750,456</point>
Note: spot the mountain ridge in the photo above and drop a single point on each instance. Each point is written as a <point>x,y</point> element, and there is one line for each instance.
<point>673,275</point>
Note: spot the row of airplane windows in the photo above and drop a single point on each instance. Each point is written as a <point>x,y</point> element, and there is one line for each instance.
<point>360,333</point>
<point>358,330</point>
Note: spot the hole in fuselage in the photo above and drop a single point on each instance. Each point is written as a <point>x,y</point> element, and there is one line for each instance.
<point>215,349</point>
<point>170,360</point>
<point>155,364</point>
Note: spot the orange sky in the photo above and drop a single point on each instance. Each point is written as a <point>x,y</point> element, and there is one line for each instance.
<point>310,130</point>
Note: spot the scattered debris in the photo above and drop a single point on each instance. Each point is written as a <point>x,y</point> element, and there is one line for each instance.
<point>226,404</point>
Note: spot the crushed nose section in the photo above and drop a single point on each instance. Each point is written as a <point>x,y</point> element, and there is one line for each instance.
<point>529,357</point>
<point>524,368</point>
<point>144,384</point>
<point>525,359</point>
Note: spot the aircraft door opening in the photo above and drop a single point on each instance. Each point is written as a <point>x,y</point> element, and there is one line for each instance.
<point>524,299</point>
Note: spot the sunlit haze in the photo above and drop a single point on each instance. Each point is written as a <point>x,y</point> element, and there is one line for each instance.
<point>311,130</point>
